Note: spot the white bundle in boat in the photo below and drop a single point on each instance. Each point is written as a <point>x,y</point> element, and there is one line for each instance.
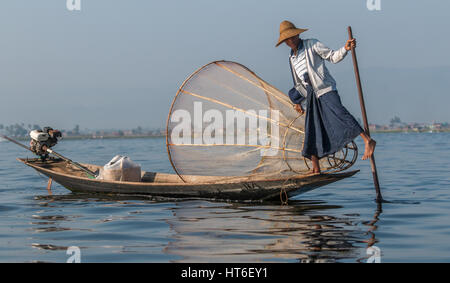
<point>121,168</point>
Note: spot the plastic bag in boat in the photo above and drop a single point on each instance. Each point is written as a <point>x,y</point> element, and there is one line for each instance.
<point>121,168</point>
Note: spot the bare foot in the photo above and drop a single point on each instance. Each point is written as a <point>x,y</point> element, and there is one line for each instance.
<point>370,148</point>
<point>314,171</point>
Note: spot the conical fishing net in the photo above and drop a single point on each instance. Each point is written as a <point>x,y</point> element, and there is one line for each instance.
<point>226,121</point>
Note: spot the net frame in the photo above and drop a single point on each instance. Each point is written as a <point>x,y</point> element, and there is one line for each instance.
<point>336,163</point>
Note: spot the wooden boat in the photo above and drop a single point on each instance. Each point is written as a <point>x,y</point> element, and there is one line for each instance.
<point>171,186</point>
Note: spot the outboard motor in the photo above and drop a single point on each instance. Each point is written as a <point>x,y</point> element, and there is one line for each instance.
<point>44,139</point>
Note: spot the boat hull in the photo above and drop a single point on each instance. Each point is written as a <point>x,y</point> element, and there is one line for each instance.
<point>165,185</point>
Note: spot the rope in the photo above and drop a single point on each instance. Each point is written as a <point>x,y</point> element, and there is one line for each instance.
<point>284,193</point>
<point>283,202</point>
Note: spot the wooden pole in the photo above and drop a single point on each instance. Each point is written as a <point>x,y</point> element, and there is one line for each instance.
<point>364,116</point>
<point>49,186</point>
<point>79,166</point>
<point>16,142</point>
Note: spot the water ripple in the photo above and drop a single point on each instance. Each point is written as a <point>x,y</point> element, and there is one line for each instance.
<point>332,224</point>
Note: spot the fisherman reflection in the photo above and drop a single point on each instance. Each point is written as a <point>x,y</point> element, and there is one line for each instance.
<point>301,231</point>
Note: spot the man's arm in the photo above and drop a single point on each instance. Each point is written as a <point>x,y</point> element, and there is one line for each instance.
<point>295,96</point>
<point>331,55</point>
<point>297,99</point>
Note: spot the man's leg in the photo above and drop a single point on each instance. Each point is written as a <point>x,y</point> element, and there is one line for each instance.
<point>315,162</point>
<point>369,145</point>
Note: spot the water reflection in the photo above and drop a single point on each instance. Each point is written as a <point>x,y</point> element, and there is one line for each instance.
<point>299,232</point>
<point>372,227</point>
<point>205,231</point>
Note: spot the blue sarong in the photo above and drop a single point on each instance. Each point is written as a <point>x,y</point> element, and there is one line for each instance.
<point>328,125</point>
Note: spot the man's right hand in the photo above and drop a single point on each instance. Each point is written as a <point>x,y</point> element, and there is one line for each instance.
<point>351,43</point>
<point>299,109</point>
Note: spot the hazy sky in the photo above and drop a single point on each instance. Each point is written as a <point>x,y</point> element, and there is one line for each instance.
<point>119,63</point>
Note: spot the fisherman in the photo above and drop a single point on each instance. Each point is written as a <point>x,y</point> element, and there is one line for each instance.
<point>328,125</point>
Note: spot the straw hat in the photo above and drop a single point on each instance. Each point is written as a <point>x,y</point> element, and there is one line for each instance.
<point>288,29</point>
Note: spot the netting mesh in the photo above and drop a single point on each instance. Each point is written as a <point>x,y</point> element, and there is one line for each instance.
<point>226,121</point>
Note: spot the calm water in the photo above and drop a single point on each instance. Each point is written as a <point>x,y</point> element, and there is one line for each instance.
<point>335,223</point>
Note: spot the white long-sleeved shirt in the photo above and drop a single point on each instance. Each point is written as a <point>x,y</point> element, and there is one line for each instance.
<point>299,64</point>
<point>316,54</point>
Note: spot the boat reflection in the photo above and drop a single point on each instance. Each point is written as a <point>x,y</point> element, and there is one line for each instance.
<point>298,232</point>
<point>208,231</point>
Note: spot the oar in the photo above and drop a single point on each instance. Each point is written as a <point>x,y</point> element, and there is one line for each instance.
<point>79,166</point>
<point>16,142</point>
<point>364,115</point>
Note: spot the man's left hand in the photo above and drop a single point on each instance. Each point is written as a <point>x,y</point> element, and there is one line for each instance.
<point>351,43</point>
<point>299,109</point>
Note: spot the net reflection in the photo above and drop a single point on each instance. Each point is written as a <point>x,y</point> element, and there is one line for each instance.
<point>206,231</point>
<point>298,232</point>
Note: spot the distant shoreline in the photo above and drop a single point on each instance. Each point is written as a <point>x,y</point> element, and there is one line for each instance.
<point>89,137</point>
<point>418,132</point>
<point>82,137</point>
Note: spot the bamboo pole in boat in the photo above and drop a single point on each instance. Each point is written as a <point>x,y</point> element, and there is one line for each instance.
<point>364,116</point>
<point>79,166</point>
